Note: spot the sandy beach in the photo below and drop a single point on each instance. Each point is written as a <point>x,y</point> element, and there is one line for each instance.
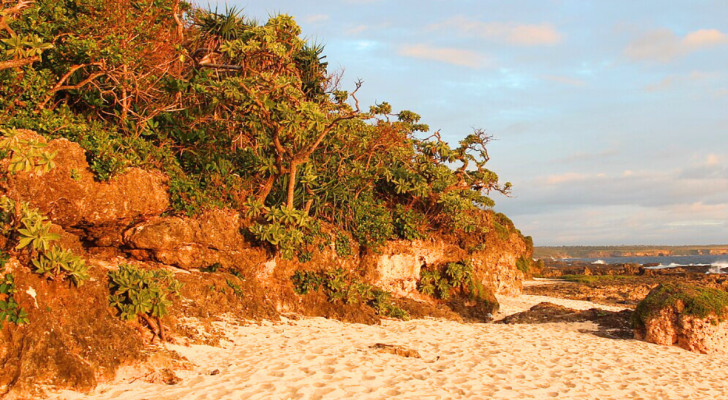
<point>316,358</point>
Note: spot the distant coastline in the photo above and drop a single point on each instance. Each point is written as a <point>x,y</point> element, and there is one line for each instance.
<point>627,251</point>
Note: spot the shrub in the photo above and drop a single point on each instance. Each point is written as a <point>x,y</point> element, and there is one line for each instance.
<point>342,245</point>
<point>137,292</point>
<point>372,224</point>
<point>285,229</point>
<point>59,263</point>
<point>9,309</point>
<point>441,282</point>
<point>340,287</point>
<point>25,155</point>
<point>408,223</point>
<point>33,234</point>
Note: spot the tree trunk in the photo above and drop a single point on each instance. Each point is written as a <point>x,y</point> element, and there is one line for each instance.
<point>266,188</point>
<point>291,184</point>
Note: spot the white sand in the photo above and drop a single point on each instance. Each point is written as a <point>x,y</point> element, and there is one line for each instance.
<point>324,359</point>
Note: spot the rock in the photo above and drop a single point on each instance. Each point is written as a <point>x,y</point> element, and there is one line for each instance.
<point>611,324</point>
<point>164,375</point>
<point>396,266</point>
<point>688,316</point>
<point>198,242</point>
<point>396,350</point>
<point>71,198</point>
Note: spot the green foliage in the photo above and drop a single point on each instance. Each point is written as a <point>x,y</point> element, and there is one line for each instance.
<point>341,287</point>
<point>34,233</point>
<point>285,229</point>
<point>342,245</point>
<point>136,291</point>
<point>25,155</point>
<point>372,223</point>
<point>442,282</point>
<point>9,309</point>
<point>408,223</point>
<point>238,114</point>
<point>596,279</point>
<point>501,230</point>
<point>58,263</point>
<point>692,300</point>
<point>524,265</point>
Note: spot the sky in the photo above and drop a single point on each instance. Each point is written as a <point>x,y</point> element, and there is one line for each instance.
<point>609,117</point>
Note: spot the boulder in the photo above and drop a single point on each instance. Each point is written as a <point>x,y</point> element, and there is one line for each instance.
<point>395,267</point>
<point>193,242</point>
<point>71,198</point>
<point>688,316</point>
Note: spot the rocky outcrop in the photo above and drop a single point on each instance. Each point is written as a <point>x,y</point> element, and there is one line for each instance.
<point>213,237</point>
<point>687,316</point>
<point>496,268</point>
<point>611,324</point>
<point>396,266</point>
<point>71,198</point>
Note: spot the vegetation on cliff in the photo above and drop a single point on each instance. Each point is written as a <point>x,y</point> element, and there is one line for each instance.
<point>239,114</point>
<point>210,142</point>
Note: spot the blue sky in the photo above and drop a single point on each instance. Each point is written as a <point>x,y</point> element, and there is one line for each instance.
<point>610,117</point>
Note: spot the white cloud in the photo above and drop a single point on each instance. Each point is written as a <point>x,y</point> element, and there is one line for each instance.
<point>675,80</point>
<point>316,18</point>
<point>568,177</point>
<point>357,29</point>
<point>508,32</point>
<point>448,55</point>
<point>664,45</point>
<point>704,37</point>
<point>713,160</point>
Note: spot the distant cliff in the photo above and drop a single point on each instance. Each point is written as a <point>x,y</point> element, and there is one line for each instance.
<point>627,251</point>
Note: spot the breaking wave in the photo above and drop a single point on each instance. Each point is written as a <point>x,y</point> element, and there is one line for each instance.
<point>718,267</point>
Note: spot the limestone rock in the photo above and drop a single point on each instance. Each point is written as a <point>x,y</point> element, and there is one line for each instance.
<point>71,198</point>
<point>668,317</point>
<point>213,237</point>
<point>396,266</point>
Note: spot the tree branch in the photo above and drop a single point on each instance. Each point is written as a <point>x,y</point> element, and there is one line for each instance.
<point>18,63</point>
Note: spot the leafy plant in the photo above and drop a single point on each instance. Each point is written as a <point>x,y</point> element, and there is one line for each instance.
<point>340,287</point>
<point>26,155</point>
<point>441,282</point>
<point>34,233</point>
<point>342,245</point>
<point>9,309</point>
<point>59,263</point>
<point>283,228</point>
<point>142,293</point>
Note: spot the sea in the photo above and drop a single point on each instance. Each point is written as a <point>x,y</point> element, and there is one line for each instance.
<point>719,264</point>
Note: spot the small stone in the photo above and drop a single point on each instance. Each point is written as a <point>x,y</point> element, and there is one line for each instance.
<point>396,350</point>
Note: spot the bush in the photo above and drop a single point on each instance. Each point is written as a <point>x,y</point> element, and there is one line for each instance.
<point>34,235</point>
<point>59,263</point>
<point>340,287</point>
<point>9,309</point>
<point>137,292</point>
<point>441,282</point>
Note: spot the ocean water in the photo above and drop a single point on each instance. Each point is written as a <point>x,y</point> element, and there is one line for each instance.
<point>719,263</point>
